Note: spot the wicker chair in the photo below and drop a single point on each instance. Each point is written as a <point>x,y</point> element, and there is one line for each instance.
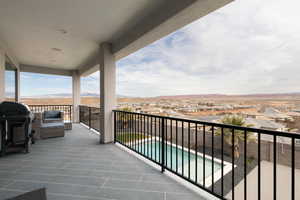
<point>52,125</point>
<point>39,194</point>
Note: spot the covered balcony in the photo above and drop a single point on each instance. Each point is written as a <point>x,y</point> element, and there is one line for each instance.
<point>112,154</point>
<point>78,167</point>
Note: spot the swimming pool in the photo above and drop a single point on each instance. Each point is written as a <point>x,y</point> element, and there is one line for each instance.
<point>178,158</point>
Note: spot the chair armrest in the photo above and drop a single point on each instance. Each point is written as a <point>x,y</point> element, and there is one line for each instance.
<point>62,116</point>
<point>39,194</point>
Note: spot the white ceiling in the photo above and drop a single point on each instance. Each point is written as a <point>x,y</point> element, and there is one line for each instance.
<point>64,33</point>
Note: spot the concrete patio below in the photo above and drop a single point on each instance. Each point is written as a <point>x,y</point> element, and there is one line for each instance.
<point>77,167</point>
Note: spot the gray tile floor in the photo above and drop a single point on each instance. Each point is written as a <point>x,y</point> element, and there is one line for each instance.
<point>77,167</point>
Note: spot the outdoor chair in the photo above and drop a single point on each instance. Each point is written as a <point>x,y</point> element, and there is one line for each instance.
<point>39,194</point>
<point>52,125</point>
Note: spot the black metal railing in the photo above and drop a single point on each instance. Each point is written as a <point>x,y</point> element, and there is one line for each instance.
<point>217,158</point>
<point>66,109</point>
<point>90,116</point>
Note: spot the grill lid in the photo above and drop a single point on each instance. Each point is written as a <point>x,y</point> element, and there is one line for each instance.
<point>8,108</point>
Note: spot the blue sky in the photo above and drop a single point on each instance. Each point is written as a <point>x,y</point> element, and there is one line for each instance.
<point>39,84</point>
<point>10,83</point>
<point>249,46</point>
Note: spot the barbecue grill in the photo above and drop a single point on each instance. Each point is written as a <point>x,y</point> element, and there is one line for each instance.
<point>16,121</point>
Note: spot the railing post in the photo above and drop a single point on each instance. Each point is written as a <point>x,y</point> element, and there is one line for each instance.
<point>90,120</point>
<point>70,111</point>
<point>79,114</point>
<point>115,127</point>
<point>163,145</point>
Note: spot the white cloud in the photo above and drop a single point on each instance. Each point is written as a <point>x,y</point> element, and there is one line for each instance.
<point>249,46</point>
<point>90,84</point>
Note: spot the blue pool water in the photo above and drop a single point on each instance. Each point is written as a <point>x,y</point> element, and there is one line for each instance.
<point>153,149</point>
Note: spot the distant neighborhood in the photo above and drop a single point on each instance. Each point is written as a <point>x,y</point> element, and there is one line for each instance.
<point>280,112</point>
<point>272,114</point>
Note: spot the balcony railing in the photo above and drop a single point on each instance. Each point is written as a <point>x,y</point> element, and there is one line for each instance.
<point>66,109</point>
<point>215,157</point>
<point>90,116</point>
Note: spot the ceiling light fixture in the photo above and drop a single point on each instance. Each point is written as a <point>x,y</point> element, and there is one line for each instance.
<point>56,49</point>
<point>62,31</point>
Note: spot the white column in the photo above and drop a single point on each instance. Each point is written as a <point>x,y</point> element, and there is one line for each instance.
<point>2,81</point>
<point>108,98</point>
<point>76,95</point>
<point>2,76</point>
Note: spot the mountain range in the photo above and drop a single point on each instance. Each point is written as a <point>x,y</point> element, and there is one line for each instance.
<point>260,95</point>
<point>68,95</point>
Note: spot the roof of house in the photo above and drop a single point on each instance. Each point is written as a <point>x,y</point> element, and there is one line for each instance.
<point>261,123</point>
<point>257,123</point>
<point>274,113</point>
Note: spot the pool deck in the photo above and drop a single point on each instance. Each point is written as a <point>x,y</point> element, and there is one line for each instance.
<point>77,167</point>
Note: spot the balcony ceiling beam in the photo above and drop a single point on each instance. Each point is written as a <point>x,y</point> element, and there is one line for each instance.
<point>66,35</point>
<point>169,18</point>
<point>10,56</point>
<point>45,70</point>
